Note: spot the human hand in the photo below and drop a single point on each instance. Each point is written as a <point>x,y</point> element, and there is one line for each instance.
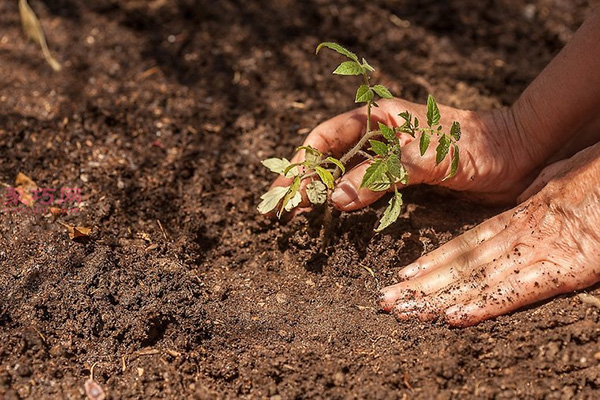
<point>494,163</point>
<point>546,246</point>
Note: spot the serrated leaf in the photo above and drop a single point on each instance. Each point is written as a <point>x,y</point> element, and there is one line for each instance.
<point>383,92</point>
<point>455,131</point>
<point>374,173</point>
<point>363,94</point>
<point>312,156</point>
<point>309,149</point>
<point>424,142</point>
<point>293,202</point>
<point>279,166</point>
<point>454,164</point>
<point>391,213</point>
<point>406,116</point>
<point>316,192</point>
<point>378,147</point>
<point>395,167</point>
<point>442,149</point>
<point>406,128</point>
<point>325,176</point>
<point>433,112</point>
<point>336,47</point>
<point>33,30</point>
<point>349,68</point>
<point>387,132</point>
<point>380,186</point>
<point>338,163</point>
<point>271,199</point>
<point>291,196</point>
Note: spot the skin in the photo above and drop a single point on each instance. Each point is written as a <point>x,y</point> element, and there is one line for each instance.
<point>541,152</point>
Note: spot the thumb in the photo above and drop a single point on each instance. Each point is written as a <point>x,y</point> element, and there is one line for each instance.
<point>349,196</point>
<point>545,176</point>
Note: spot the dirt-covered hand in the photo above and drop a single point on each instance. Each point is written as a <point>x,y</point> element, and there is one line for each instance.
<point>546,246</point>
<point>494,163</point>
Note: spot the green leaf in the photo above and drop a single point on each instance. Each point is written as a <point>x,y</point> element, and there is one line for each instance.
<point>349,68</point>
<point>454,164</point>
<point>383,92</point>
<point>374,173</point>
<point>366,66</point>
<point>316,192</point>
<point>416,122</point>
<point>381,186</point>
<point>291,170</point>
<point>424,142</point>
<point>292,197</point>
<point>455,131</point>
<point>388,133</point>
<point>338,48</point>
<point>312,156</point>
<point>294,201</point>
<point>309,149</point>
<point>378,147</point>
<point>406,116</point>
<point>391,213</point>
<point>325,176</point>
<point>442,149</point>
<point>280,166</point>
<point>363,94</point>
<point>338,163</point>
<point>433,112</point>
<point>271,199</point>
<point>394,166</point>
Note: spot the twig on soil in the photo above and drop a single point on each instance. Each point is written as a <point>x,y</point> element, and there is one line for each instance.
<point>406,382</point>
<point>162,230</point>
<point>146,352</point>
<point>40,333</point>
<point>123,363</point>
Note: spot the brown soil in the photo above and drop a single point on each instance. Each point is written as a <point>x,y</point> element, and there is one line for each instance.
<point>160,116</point>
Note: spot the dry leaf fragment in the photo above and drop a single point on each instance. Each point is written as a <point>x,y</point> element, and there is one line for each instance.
<point>77,231</point>
<point>93,390</point>
<point>25,186</point>
<point>33,30</point>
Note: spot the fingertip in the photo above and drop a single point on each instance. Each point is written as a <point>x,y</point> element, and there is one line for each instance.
<point>464,315</point>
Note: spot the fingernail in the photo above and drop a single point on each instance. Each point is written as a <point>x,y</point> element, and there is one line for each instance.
<point>344,194</point>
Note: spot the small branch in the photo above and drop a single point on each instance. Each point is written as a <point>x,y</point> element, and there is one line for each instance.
<point>365,154</point>
<point>353,151</point>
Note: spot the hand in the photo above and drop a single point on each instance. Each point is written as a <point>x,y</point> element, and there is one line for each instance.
<point>546,246</point>
<point>494,163</point>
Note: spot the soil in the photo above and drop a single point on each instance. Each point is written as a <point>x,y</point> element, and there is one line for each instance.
<point>160,117</point>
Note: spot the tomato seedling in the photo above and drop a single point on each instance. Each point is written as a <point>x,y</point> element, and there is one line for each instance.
<point>383,150</point>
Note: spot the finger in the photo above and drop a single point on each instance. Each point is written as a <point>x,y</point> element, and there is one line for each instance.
<point>338,134</point>
<point>349,196</point>
<point>448,274</point>
<point>467,288</point>
<point>545,176</point>
<point>537,282</point>
<point>457,246</point>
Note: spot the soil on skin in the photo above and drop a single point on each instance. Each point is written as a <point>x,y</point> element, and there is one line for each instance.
<point>161,115</point>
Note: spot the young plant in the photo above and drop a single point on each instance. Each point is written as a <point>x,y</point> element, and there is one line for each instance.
<point>385,153</point>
